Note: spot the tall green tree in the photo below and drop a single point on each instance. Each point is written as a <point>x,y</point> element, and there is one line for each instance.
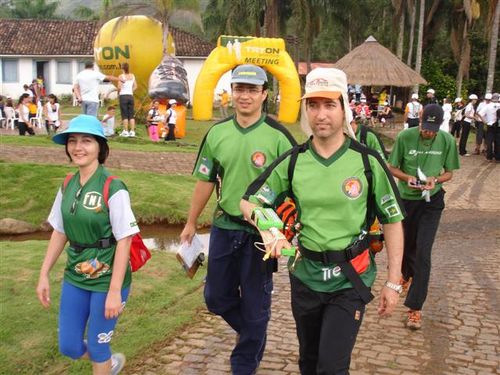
<point>493,20</point>
<point>41,9</point>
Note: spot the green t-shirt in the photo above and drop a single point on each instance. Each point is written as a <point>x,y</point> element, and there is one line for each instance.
<point>331,197</point>
<point>232,157</point>
<point>372,140</point>
<point>86,220</point>
<point>431,155</point>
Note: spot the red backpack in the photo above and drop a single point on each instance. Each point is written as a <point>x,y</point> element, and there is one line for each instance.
<point>139,253</point>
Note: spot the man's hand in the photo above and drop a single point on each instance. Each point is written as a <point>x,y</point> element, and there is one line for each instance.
<point>388,301</point>
<point>43,291</point>
<point>430,184</point>
<point>188,233</point>
<point>414,183</point>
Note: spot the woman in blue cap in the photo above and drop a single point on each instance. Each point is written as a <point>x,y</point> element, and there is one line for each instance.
<point>97,275</point>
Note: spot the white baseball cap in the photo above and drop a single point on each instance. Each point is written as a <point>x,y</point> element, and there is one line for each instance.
<point>328,83</point>
<point>431,91</point>
<point>488,96</point>
<point>414,96</point>
<point>172,101</point>
<point>458,100</point>
<point>473,97</point>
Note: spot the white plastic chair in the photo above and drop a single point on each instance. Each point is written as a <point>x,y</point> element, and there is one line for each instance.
<point>37,120</point>
<point>11,116</point>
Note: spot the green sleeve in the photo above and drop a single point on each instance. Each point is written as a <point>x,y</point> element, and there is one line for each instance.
<point>396,157</point>
<point>375,143</point>
<point>451,161</point>
<point>388,205</point>
<point>206,165</point>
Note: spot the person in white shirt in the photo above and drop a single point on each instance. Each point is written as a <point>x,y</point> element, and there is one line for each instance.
<point>469,115</point>
<point>413,112</point>
<point>171,119</point>
<point>488,113</point>
<point>447,108</point>
<point>126,86</point>
<point>52,114</point>
<point>108,121</point>
<point>86,88</point>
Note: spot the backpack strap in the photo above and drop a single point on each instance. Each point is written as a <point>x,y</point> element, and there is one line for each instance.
<point>363,134</point>
<point>105,189</point>
<point>66,181</point>
<point>291,166</point>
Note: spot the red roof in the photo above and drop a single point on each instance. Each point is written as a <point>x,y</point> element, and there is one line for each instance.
<point>67,37</point>
<point>303,67</point>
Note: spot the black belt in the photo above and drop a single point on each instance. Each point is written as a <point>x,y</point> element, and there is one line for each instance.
<point>343,258</point>
<point>103,243</point>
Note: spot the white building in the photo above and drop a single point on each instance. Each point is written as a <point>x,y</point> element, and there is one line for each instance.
<point>57,50</point>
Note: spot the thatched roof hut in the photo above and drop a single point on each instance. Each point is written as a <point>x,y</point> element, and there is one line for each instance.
<point>371,64</point>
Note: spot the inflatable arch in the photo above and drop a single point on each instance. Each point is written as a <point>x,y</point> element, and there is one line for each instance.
<point>231,51</point>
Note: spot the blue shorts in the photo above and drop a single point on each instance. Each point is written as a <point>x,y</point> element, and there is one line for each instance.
<point>82,309</point>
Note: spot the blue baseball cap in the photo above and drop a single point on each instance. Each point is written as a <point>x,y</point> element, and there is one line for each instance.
<point>83,124</point>
<point>250,74</point>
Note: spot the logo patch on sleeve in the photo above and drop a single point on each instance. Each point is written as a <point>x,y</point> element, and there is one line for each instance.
<point>352,187</point>
<point>393,210</point>
<point>386,198</point>
<point>205,166</point>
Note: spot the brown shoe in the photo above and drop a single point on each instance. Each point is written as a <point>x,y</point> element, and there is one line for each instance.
<point>405,284</point>
<point>414,319</point>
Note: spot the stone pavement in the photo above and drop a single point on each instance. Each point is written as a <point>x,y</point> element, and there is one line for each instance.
<point>460,333</point>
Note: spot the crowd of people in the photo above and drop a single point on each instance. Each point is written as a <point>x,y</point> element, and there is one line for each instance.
<point>341,181</point>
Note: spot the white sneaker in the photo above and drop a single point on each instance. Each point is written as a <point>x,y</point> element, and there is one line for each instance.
<point>131,133</point>
<point>117,363</point>
<point>124,133</point>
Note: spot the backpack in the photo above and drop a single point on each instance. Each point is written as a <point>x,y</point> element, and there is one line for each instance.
<point>139,253</point>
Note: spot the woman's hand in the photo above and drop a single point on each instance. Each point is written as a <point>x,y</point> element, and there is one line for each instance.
<point>43,291</point>
<point>113,306</point>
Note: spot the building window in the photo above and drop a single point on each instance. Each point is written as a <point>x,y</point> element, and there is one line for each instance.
<point>9,70</point>
<point>64,72</point>
<point>81,66</point>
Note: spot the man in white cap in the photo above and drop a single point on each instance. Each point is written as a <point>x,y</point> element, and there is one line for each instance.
<point>431,97</point>
<point>488,114</point>
<point>171,120</point>
<point>422,159</point>
<point>233,153</point>
<point>338,186</point>
<point>457,116</point>
<point>413,112</point>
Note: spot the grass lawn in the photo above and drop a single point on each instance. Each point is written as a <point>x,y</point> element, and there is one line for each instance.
<point>162,302</point>
<point>195,131</point>
<point>28,191</point>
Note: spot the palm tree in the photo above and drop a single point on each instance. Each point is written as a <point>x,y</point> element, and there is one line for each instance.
<point>160,10</point>
<point>494,12</point>
<point>465,14</point>
<point>400,8</point>
<point>418,63</point>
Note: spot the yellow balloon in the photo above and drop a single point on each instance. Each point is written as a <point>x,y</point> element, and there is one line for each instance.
<point>136,40</point>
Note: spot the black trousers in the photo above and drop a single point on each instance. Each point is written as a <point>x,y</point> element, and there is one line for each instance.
<point>420,228</point>
<point>171,133</point>
<point>462,147</point>
<point>493,142</point>
<point>413,122</point>
<point>455,128</point>
<point>327,326</point>
<point>23,128</point>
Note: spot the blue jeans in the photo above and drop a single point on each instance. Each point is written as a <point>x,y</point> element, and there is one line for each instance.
<point>238,288</point>
<point>79,309</point>
<point>90,108</point>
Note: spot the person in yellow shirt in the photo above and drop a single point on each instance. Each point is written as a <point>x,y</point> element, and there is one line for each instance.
<point>224,103</point>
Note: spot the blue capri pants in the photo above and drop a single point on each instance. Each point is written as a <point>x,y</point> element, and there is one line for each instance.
<point>82,309</point>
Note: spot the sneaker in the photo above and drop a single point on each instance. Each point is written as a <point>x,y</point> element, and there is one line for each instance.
<point>405,284</point>
<point>414,319</point>
<point>117,363</point>
<point>131,133</point>
<point>467,154</point>
<point>124,133</point>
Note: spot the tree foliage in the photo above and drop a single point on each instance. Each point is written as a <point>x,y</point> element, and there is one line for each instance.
<point>42,9</point>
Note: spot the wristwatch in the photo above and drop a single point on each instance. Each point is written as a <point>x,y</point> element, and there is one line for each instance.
<point>396,287</point>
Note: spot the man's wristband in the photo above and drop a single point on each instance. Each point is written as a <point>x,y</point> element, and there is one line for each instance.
<point>396,287</point>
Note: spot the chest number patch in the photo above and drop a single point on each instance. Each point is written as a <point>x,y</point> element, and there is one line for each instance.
<point>92,201</point>
<point>352,187</point>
